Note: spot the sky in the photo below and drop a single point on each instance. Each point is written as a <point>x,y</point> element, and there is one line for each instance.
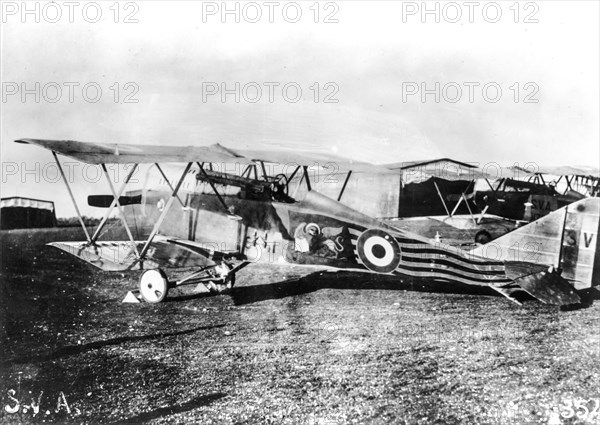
<point>504,82</point>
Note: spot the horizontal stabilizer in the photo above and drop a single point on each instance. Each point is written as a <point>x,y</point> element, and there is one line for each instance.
<point>542,283</point>
<point>105,201</point>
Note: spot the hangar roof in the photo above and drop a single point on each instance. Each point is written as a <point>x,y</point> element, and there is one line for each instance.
<point>415,164</point>
<point>568,170</point>
<point>18,202</point>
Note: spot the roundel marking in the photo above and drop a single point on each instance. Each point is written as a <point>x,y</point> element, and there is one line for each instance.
<point>378,251</point>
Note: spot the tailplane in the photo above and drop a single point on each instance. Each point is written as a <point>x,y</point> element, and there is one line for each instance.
<point>544,283</point>
<point>566,239</point>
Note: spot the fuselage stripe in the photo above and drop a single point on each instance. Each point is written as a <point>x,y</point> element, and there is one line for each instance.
<point>441,258</point>
<point>444,263</point>
<point>448,274</point>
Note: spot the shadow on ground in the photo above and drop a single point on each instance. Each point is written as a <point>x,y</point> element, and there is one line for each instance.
<point>204,400</point>
<point>348,281</point>
<point>78,349</point>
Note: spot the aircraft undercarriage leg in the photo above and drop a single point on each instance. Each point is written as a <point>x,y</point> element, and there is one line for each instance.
<point>217,279</point>
<point>154,284</point>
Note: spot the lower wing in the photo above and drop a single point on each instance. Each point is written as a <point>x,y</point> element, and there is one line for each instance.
<point>163,252</point>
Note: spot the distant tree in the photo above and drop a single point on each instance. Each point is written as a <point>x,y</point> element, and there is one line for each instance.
<point>88,221</point>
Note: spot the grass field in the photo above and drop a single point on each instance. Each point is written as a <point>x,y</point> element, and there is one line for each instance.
<point>283,348</point>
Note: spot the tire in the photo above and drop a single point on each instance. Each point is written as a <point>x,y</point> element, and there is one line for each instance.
<point>154,286</point>
<point>482,237</point>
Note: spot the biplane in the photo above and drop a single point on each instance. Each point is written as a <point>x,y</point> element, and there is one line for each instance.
<point>192,214</point>
<point>437,199</point>
<point>574,179</point>
<point>525,199</point>
<point>465,204</point>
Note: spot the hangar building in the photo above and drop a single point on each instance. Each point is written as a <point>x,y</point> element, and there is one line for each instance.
<point>26,213</point>
<point>410,189</point>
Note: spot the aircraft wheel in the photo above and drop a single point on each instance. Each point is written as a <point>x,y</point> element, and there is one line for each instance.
<point>482,237</point>
<point>154,286</point>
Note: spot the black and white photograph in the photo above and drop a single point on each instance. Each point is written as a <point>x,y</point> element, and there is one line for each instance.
<point>300,212</point>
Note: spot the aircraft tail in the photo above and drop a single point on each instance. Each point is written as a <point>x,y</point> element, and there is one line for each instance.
<point>544,283</point>
<point>566,240</point>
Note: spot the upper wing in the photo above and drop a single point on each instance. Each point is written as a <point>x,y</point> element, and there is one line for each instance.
<point>321,159</point>
<point>449,169</point>
<point>567,170</point>
<point>118,153</point>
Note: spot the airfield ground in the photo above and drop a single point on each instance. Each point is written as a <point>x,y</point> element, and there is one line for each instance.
<point>322,349</point>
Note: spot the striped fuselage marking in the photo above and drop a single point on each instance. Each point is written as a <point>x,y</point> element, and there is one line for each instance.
<point>420,259</point>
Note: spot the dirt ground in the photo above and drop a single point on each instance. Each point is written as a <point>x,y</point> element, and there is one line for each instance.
<point>284,347</point>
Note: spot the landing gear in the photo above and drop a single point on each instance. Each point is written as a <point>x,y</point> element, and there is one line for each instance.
<point>217,278</point>
<point>154,286</point>
<point>220,278</point>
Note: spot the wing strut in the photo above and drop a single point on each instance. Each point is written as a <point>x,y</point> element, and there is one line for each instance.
<point>247,171</point>
<point>308,186</point>
<point>562,239</point>
<point>293,174</point>
<point>344,185</point>
<point>164,211</point>
<point>117,204</point>
<point>62,173</point>
<point>298,185</point>
<point>482,214</point>
<point>569,187</point>
<point>105,218</point>
<point>494,191</point>
<point>303,177</point>
<point>441,197</point>
<point>169,183</point>
<point>212,185</point>
<point>463,197</point>
<point>264,170</point>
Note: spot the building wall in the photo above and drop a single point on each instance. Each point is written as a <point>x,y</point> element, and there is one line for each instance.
<point>376,195</point>
<point>26,218</point>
